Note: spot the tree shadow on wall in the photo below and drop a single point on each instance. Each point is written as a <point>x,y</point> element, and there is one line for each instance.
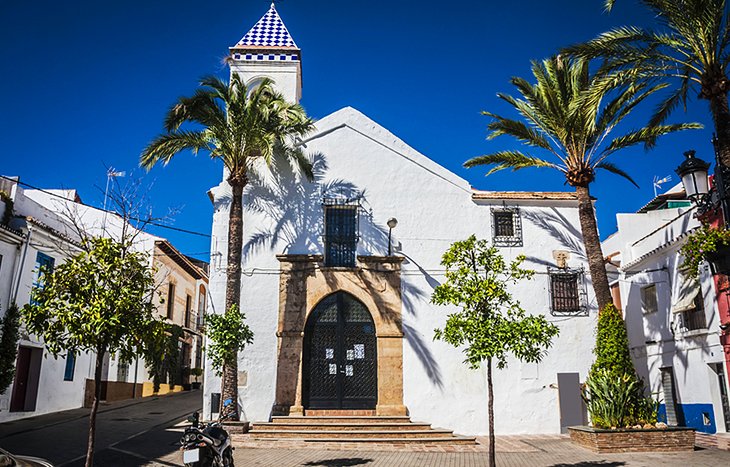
<point>294,207</point>
<point>561,229</point>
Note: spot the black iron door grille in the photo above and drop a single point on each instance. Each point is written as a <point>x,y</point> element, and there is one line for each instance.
<point>340,367</point>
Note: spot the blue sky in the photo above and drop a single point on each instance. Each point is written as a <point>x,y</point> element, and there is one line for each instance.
<point>86,85</point>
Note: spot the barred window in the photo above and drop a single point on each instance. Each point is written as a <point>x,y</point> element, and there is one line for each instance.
<point>567,292</point>
<point>506,227</point>
<point>340,233</point>
<point>649,299</point>
<point>694,318</point>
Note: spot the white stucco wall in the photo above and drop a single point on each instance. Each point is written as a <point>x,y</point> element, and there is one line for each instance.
<point>434,208</point>
<point>54,394</point>
<point>650,244</point>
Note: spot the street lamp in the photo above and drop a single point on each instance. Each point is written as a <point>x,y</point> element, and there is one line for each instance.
<point>693,172</point>
<point>392,222</point>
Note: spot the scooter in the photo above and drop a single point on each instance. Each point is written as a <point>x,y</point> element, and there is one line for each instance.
<point>206,445</point>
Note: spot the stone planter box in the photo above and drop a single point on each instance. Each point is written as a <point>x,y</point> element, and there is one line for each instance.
<point>670,439</point>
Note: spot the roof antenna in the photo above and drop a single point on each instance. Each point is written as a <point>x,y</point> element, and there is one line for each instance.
<point>659,182</point>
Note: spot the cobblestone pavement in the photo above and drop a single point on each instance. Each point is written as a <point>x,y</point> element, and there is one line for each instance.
<point>528,451</point>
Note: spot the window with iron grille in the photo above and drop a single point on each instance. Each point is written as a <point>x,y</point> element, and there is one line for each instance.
<point>648,299</point>
<point>340,233</point>
<point>694,318</point>
<point>567,292</point>
<point>506,227</point>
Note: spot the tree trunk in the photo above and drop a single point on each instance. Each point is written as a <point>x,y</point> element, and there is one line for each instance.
<point>721,118</point>
<point>490,403</point>
<point>592,243</point>
<point>94,406</point>
<point>233,294</point>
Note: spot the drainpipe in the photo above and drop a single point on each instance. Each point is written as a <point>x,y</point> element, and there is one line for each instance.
<point>19,273</point>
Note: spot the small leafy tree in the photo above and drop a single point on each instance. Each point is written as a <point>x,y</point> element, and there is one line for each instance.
<point>491,323</point>
<point>614,392</point>
<point>8,346</point>
<point>612,344</point>
<point>100,300</point>
<point>227,335</point>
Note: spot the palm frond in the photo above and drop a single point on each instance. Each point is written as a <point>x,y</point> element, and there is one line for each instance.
<point>166,145</point>
<point>648,135</point>
<point>609,167</point>
<point>514,160</point>
<point>667,106</point>
<point>505,126</point>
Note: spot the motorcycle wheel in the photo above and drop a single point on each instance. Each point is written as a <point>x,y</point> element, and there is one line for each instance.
<point>228,458</point>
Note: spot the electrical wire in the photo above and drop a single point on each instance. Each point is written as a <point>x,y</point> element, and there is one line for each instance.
<point>156,224</point>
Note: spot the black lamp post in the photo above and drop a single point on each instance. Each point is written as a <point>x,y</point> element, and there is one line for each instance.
<point>392,222</point>
<point>693,172</point>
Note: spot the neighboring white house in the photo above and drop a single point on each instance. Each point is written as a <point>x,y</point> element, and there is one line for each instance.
<point>39,231</point>
<point>672,319</point>
<point>340,323</point>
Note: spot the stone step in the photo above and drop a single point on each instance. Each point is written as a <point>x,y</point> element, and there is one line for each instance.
<point>445,441</point>
<point>347,435</point>
<point>276,426</point>
<point>339,412</point>
<point>339,419</point>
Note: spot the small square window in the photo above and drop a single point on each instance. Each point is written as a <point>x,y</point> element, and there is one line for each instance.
<point>504,224</point>
<point>649,299</point>
<point>567,292</point>
<point>506,227</point>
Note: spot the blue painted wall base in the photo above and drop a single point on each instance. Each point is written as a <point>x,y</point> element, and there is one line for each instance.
<point>692,415</point>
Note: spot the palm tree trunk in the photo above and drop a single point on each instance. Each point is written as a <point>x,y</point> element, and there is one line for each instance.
<point>490,404</point>
<point>721,118</point>
<point>592,243</point>
<point>95,406</point>
<point>233,293</point>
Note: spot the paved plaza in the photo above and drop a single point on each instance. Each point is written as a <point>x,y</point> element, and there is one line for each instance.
<point>146,433</point>
<point>528,451</point>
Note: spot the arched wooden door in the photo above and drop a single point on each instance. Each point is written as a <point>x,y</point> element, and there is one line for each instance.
<point>340,355</point>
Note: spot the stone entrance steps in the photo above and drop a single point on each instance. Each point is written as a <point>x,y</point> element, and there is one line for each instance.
<point>353,429</point>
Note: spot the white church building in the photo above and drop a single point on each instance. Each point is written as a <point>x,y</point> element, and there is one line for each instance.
<point>338,297</point>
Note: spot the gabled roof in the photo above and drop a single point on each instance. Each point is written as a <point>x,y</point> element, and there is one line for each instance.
<point>181,260</point>
<point>551,195</point>
<point>268,32</point>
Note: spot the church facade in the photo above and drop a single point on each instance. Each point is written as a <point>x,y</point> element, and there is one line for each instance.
<point>338,274</point>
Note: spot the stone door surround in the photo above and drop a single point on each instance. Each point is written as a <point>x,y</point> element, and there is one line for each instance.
<point>304,282</point>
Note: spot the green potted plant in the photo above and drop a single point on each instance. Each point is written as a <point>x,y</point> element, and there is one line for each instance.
<point>196,373</point>
<point>707,244</point>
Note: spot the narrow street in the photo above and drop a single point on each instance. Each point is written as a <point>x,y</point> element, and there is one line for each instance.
<point>126,434</point>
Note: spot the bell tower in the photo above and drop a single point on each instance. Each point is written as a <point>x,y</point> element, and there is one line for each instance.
<point>268,51</point>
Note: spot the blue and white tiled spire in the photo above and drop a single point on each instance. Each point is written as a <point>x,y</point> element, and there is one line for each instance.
<point>268,40</point>
<point>268,32</point>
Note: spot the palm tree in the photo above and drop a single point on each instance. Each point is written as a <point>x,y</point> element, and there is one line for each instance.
<point>560,116</point>
<point>243,128</point>
<point>692,50</point>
